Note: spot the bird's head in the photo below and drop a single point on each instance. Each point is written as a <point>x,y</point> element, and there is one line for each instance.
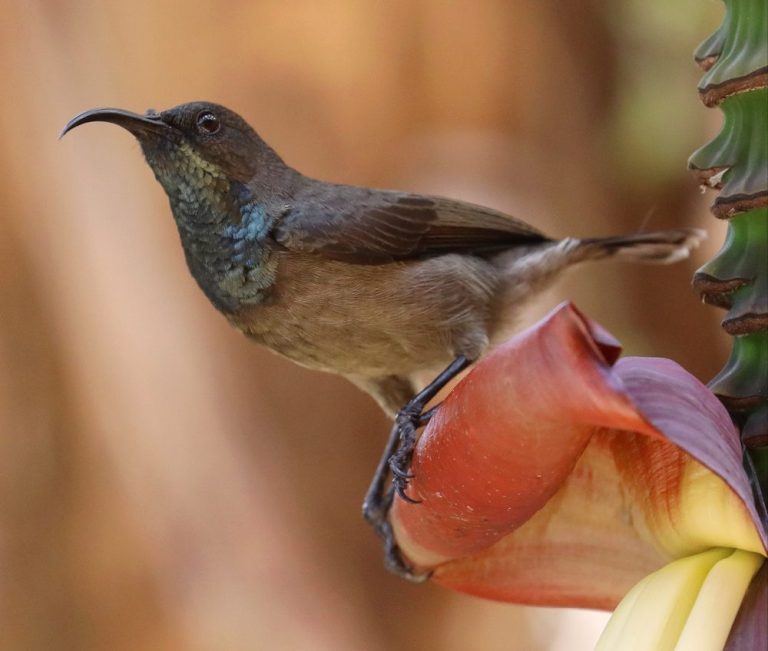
<point>198,142</point>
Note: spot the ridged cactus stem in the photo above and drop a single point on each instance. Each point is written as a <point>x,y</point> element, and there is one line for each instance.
<point>735,163</point>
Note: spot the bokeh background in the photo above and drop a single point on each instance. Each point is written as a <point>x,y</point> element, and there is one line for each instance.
<point>166,485</point>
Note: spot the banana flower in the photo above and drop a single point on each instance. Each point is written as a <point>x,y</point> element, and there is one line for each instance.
<point>557,474</point>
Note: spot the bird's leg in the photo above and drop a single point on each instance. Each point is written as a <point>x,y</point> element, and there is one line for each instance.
<point>376,506</point>
<point>410,418</point>
<point>396,459</point>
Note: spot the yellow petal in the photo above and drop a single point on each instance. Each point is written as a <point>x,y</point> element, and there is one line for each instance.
<point>654,613</point>
<point>718,602</point>
<point>620,620</point>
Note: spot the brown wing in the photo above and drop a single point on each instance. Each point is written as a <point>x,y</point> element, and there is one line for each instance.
<point>365,226</point>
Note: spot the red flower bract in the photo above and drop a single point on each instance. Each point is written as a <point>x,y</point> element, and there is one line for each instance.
<point>553,475</point>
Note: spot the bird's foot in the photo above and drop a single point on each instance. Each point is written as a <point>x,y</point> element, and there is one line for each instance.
<point>408,421</point>
<point>397,460</point>
<point>376,514</point>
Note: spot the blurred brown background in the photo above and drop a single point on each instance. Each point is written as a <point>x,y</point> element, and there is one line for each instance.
<point>166,485</point>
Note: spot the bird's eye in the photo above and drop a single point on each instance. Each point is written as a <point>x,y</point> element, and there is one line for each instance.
<point>207,122</point>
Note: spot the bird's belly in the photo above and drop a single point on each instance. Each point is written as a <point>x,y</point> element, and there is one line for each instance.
<point>363,320</point>
<point>339,346</point>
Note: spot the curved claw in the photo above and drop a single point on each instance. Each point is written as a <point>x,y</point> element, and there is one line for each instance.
<point>400,488</point>
<point>424,418</point>
<point>395,563</point>
<point>407,573</point>
<point>397,471</point>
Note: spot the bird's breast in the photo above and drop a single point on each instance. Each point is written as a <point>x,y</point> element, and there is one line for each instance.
<point>227,250</point>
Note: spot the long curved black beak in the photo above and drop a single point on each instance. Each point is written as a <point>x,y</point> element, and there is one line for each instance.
<point>133,122</point>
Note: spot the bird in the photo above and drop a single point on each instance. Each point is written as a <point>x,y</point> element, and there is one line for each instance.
<point>378,286</point>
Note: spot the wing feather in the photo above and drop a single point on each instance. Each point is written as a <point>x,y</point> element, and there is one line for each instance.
<point>365,226</point>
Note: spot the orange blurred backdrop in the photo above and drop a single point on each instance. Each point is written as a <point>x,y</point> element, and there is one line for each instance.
<point>166,485</point>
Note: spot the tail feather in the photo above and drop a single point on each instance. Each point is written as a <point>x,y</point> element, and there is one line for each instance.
<point>524,273</point>
<point>661,247</point>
